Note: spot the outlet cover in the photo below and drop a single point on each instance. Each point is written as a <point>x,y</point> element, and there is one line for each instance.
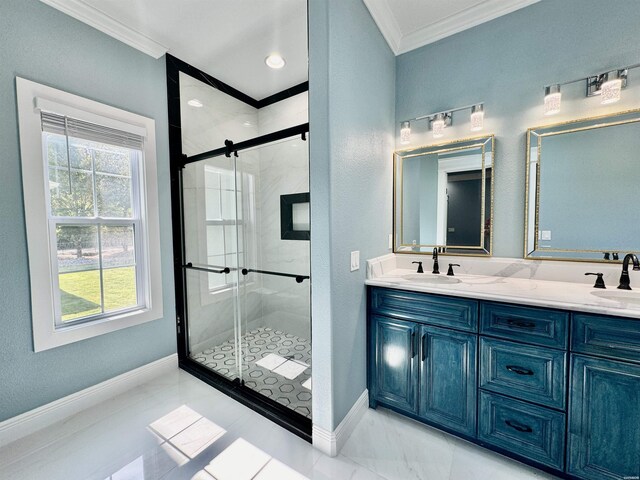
<point>391,241</point>
<point>355,260</point>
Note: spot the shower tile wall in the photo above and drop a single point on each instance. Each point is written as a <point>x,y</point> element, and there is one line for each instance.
<point>284,169</point>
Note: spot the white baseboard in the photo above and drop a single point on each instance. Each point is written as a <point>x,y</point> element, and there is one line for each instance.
<point>330,443</point>
<point>29,422</point>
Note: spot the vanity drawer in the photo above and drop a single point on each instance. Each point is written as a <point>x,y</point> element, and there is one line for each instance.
<point>539,326</point>
<point>533,432</point>
<point>458,313</point>
<point>535,374</point>
<point>607,336</point>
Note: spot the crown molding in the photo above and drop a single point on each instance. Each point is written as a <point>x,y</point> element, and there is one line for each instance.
<point>106,24</point>
<point>404,42</point>
<point>386,22</point>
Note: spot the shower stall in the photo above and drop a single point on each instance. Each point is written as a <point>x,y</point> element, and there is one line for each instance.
<point>240,191</point>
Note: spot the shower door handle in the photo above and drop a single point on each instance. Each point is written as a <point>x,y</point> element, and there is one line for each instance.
<point>299,278</point>
<point>190,266</point>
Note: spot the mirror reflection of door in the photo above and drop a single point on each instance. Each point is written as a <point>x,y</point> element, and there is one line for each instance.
<point>464,194</point>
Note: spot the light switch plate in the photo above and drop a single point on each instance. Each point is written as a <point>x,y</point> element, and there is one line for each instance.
<point>355,260</point>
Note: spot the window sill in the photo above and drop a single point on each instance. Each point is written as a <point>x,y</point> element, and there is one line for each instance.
<point>57,337</point>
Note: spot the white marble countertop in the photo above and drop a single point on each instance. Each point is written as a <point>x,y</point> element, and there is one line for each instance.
<point>522,291</point>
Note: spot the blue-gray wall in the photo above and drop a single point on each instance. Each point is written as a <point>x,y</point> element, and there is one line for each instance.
<point>506,63</point>
<point>351,96</point>
<point>46,46</point>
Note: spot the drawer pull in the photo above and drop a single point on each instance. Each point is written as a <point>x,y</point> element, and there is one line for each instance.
<point>519,370</point>
<point>520,323</point>
<point>518,426</point>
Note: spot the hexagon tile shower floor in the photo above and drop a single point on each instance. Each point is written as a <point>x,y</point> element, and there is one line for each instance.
<point>276,364</point>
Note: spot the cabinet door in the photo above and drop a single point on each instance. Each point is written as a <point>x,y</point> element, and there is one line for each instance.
<point>448,378</point>
<point>393,359</point>
<point>604,419</point>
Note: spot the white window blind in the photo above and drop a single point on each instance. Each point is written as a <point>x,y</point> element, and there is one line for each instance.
<point>73,127</point>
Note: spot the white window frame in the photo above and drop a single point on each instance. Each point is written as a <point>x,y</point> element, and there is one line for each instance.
<point>33,98</point>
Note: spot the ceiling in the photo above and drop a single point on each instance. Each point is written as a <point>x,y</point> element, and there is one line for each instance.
<point>227,39</point>
<point>230,39</point>
<point>410,24</point>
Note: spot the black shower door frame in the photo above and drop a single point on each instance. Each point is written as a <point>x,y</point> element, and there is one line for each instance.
<point>267,407</point>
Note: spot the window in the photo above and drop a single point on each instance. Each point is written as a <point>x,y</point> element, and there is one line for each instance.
<point>224,234</point>
<point>89,179</point>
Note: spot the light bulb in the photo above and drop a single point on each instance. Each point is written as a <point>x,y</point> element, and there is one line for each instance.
<point>477,118</point>
<point>275,61</point>
<point>552,99</point>
<point>405,132</point>
<point>438,126</point>
<point>611,88</point>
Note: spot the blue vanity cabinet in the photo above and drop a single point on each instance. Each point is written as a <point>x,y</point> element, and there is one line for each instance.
<point>604,419</point>
<point>393,365</point>
<point>604,408</point>
<point>448,378</point>
<point>418,366</point>
<point>556,389</point>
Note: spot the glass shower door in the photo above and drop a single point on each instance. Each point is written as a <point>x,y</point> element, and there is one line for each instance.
<point>246,237</point>
<point>274,285</point>
<point>211,266</point>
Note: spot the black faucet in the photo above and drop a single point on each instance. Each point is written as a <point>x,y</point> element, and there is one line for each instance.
<point>420,270</point>
<point>436,267</point>
<point>624,278</point>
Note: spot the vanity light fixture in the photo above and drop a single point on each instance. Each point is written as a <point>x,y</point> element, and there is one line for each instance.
<point>437,122</point>
<point>608,86</point>
<point>437,126</point>
<point>612,86</point>
<point>477,117</point>
<point>405,132</point>
<point>552,99</point>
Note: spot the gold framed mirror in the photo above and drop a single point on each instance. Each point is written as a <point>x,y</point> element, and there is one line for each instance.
<point>582,184</point>
<point>443,198</point>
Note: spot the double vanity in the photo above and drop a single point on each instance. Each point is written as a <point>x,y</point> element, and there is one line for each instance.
<point>526,357</point>
<point>544,371</point>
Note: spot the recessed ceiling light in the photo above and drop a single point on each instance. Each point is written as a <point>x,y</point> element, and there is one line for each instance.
<point>194,102</point>
<point>275,61</point>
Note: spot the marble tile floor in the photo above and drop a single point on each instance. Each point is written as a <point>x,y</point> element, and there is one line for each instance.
<point>176,427</point>
<point>283,381</point>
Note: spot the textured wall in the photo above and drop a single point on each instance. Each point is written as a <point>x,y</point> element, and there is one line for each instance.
<point>352,76</point>
<point>43,45</point>
<point>506,63</point>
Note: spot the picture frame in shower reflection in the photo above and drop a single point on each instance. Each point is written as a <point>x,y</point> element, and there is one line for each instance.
<point>295,219</point>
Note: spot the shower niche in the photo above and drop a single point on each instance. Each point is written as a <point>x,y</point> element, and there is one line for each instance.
<point>242,288</point>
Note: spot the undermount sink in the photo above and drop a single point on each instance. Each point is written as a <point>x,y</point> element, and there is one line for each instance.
<point>430,278</point>
<point>622,296</point>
